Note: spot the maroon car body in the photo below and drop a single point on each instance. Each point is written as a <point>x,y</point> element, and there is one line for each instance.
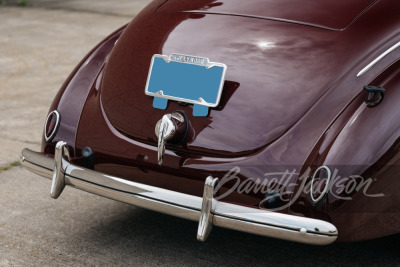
<point>293,99</point>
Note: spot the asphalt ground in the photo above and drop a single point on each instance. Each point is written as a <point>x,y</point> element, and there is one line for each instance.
<point>39,46</point>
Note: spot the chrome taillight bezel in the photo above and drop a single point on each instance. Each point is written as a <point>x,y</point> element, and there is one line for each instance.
<point>53,133</point>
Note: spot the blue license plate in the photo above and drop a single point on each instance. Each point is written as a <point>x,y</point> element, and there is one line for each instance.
<point>188,79</point>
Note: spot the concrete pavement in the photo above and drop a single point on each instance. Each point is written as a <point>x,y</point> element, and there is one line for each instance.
<point>39,46</point>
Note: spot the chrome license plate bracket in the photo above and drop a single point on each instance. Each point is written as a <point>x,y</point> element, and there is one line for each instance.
<point>188,79</point>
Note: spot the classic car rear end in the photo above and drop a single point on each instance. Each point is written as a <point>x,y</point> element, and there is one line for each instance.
<point>294,81</point>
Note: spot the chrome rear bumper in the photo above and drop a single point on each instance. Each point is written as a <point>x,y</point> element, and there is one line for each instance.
<point>207,211</point>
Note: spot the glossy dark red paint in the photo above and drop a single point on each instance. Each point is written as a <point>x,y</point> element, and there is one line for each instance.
<point>326,14</point>
<point>71,98</point>
<point>291,99</point>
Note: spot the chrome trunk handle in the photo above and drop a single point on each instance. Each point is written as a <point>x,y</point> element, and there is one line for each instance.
<point>173,128</point>
<point>165,130</point>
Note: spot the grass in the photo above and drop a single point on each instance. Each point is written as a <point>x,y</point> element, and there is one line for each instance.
<point>22,2</point>
<point>9,166</point>
<point>19,2</point>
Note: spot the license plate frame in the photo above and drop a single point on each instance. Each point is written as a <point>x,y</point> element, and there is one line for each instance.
<point>183,78</point>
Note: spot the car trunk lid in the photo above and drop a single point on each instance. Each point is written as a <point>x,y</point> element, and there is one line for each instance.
<point>276,73</point>
<point>328,14</point>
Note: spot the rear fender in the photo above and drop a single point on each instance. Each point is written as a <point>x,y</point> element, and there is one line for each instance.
<point>362,149</point>
<point>72,95</point>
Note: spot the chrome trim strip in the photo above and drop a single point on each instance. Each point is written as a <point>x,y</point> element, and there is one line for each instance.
<point>376,60</point>
<point>251,220</point>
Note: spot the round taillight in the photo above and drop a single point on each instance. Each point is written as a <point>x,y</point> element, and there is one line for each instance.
<point>51,125</point>
<point>320,184</point>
